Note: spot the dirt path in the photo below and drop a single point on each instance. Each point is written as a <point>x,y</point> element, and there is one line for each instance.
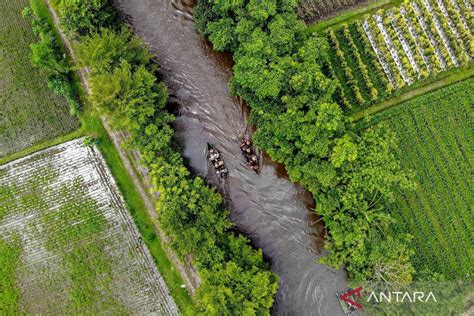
<point>138,174</point>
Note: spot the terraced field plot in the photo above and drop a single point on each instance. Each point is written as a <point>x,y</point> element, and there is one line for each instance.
<point>375,57</point>
<point>29,111</point>
<point>68,243</point>
<point>437,142</point>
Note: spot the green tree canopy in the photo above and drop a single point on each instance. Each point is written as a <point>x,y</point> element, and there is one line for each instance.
<point>83,17</point>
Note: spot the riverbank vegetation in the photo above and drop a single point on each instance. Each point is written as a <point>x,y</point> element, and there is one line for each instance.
<point>123,87</point>
<point>380,216</point>
<point>280,72</point>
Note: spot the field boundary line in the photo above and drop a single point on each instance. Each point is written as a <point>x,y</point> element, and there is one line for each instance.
<point>41,146</point>
<point>187,271</point>
<point>414,94</point>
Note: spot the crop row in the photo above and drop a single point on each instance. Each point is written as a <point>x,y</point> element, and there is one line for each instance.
<point>412,42</point>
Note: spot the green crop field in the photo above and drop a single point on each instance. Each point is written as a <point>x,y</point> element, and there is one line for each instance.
<point>436,138</point>
<point>29,111</point>
<point>68,244</point>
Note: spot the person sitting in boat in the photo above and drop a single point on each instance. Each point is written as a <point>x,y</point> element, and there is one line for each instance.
<point>248,150</point>
<point>220,163</point>
<point>223,172</point>
<point>213,155</point>
<point>254,158</point>
<point>242,144</point>
<point>216,164</point>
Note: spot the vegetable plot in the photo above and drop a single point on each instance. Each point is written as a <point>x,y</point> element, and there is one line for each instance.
<point>404,45</point>
<point>29,111</point>
<point>71,241</point>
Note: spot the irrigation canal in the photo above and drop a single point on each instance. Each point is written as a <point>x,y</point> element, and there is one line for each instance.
<point>274,213</point>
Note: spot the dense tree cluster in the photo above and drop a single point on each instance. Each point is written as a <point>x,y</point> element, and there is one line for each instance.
<point>281,72</point>
<point>124,87</point>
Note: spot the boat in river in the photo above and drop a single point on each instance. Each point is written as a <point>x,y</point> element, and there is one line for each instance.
<point>250,155</point>
<point>216,160</point>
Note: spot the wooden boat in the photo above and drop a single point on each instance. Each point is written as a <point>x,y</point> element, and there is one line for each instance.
<point>248,156</point>
<point>221,170</point>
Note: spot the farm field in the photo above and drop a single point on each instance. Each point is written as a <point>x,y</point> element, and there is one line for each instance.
<point>393,50</point>
<point>29,111</point>
<point>68,244</point>
<point>437,143</point>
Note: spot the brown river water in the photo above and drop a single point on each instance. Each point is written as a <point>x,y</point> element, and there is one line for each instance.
<point>273,212</point>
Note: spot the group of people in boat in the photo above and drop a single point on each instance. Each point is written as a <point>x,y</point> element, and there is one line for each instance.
<point>247,151</point>
<point>217,162</point>
<point>249,154</point>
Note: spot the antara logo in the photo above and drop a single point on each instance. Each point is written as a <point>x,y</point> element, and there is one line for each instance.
<point>353,300</point>
<point>346,297</point>
<point>400,297</point>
